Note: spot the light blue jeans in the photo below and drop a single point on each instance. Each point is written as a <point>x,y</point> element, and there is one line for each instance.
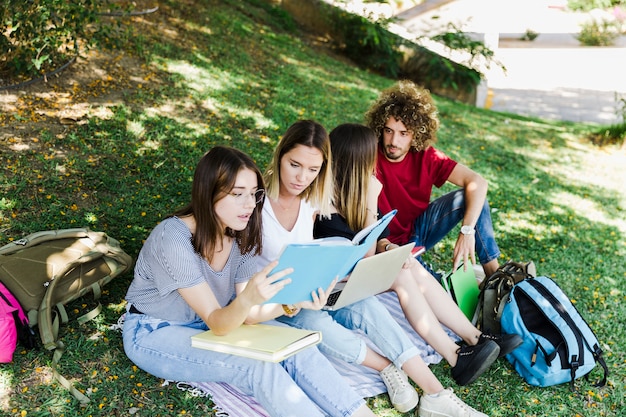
<point>443,214</point>
<point>368,315</point>
<point>304,384</point>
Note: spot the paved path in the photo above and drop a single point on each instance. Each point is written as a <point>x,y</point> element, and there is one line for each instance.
<point>551,77</point>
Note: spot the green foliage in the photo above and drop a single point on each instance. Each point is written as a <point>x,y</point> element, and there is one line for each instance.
<point>37,35</point>
<point>281,17</point>
<point>369,44</point>
<point>586,5</point>
<point>456,76</point>
<point>529,35</point>
<point>598,33</point>
<point>223,72</point>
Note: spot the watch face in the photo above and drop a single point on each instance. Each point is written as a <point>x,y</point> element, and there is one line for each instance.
<point>467,230</point>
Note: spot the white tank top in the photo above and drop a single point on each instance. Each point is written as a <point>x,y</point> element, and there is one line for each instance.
<point>275,236</point>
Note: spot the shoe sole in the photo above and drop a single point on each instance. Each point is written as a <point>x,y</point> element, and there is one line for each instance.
<point>427,413</point>
<point>408,406</point>
<point>511,347</point>
<point>484,365</point>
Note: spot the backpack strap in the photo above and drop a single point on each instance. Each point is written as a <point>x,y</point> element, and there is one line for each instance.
<point>597,354</point>
<point>45,322</point>
<point>58,352</point>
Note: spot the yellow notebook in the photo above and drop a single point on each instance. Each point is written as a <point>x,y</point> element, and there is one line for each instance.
<point>259,341</point>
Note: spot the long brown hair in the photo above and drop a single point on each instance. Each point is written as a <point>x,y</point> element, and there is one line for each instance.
<point>213,179</point>
<point>312,134</point>
<point>355,146</point>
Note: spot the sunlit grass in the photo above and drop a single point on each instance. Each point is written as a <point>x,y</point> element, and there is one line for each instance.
<point>232,72</point>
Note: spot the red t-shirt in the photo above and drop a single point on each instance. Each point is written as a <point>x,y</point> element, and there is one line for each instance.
<point>407,187</point>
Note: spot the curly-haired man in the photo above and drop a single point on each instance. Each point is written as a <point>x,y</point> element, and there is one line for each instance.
<point>405,120</point>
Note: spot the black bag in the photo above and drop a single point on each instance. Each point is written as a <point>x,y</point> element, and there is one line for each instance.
<point>494,292</point>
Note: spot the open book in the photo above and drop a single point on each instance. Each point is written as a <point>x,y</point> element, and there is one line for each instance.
<point>259,341</point>
<point>318,262</point>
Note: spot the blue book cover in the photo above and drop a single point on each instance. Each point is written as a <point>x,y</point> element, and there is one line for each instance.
<point>318,262</point>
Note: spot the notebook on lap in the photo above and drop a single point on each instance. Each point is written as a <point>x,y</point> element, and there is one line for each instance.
<point>371,276</point>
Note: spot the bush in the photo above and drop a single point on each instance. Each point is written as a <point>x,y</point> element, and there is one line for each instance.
<point>370,44</point>
<point>598,33</point>
<point>586,5</point>
<point>38,35</point>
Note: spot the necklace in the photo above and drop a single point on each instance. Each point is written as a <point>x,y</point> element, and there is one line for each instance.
<point>291,205</point>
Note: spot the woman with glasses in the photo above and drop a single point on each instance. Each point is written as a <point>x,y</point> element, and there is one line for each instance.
<point>197,271</point>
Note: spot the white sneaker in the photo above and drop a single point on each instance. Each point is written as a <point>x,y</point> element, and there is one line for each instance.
<point>446,404</point>
<point>402,395</point>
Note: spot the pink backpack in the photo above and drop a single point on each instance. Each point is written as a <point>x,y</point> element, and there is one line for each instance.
<point>13,325</point>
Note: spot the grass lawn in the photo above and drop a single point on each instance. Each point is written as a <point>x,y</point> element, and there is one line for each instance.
<point>112,143</point>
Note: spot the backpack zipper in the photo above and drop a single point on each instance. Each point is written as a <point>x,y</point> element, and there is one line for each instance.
<point>574,360</point>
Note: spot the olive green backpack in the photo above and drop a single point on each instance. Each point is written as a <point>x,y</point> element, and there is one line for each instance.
<point>46,270</point>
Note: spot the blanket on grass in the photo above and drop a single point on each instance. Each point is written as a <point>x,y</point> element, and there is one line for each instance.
<point>365,381</point>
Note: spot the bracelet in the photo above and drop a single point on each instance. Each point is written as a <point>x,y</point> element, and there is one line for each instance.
<point>290,309</point>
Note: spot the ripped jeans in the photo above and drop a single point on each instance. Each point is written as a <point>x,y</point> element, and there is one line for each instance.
<point>303,384</point>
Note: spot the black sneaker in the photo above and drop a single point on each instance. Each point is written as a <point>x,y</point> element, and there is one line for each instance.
<point>473,361</point>
<point>507,342</point>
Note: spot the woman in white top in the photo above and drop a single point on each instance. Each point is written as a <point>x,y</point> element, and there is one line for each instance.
<point>300,186</point>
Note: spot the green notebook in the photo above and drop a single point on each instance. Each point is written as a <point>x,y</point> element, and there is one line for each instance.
<point>463,288</point>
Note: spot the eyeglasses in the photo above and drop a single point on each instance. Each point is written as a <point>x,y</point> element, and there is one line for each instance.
<point>257,197</point>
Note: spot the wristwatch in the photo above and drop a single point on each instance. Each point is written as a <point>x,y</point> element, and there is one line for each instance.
<point>467,230</point>
<point>290,309</point>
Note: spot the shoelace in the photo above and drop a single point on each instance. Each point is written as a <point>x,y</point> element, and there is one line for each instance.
<point>394,379</point>
<point>460,403</point>
<point>489,336</point>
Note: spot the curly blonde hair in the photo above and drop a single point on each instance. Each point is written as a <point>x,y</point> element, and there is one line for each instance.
<point>413,106</point>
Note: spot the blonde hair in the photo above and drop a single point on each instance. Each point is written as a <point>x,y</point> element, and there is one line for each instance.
<point>355,146</point>
<point>312,134</point>
<point>413,106</point>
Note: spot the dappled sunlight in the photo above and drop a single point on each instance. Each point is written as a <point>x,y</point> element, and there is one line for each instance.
<point>148,145</point>
<point>587,208</point>
<point>181,112</point>
<point>136,128</point>
<point>212,83</point>
<point>529,222</point>
<point>199,79</point>
<point>7,102</point>
<point>6,388</point>
<point>198,28</point>
<point>112,144</point>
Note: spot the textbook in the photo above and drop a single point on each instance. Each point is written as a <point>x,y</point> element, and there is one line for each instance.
<point>259,341</point>
<point>316,263</point>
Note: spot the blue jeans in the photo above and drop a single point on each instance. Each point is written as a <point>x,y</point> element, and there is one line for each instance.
<point>443,214</point>
<point>294,387</point>
<point>368,315</point>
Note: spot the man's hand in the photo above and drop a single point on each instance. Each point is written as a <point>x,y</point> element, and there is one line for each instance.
<point>464,251</point>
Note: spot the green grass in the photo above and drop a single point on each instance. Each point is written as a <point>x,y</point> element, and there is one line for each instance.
<point>238,73</point>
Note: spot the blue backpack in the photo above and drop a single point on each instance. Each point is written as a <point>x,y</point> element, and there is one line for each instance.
<point>559,346</point>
